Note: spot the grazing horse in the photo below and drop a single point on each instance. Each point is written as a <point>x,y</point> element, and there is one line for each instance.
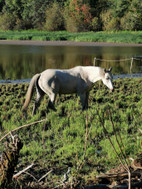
<point>78,80</point>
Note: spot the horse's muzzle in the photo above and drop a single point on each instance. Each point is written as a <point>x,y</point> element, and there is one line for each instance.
<point>112,89</point>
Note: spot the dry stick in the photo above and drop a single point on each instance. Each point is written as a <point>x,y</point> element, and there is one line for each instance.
<point>19,173</point>
<point>106,133</point>
<point>118,134</point>
<point>31,176</point>
<point>128,170</point>
<point>27,125</point>
<point>45,175</point>
<point>117,139</point>
<point>86,134</point>
<point>123,146</point>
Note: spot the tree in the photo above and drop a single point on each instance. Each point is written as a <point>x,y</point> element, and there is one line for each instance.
<point>77,15</point>
<point>33,13</point>
<point>54,18</point>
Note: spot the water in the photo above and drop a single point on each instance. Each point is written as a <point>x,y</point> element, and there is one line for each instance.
<point>23,61</point>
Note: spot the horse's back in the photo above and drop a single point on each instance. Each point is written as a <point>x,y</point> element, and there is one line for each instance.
<point>59,81</point>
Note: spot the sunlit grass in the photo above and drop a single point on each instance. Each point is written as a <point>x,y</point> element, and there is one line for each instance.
<point>61,141</point>
<point>116,37</point>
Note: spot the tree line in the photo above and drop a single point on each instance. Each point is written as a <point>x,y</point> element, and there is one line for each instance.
<point>71,15</point>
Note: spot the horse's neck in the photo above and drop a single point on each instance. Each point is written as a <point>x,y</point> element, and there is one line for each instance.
<point>94,73</point>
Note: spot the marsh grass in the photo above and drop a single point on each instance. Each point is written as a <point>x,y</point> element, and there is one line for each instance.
<point>116,37</point>
<point>70,137</point>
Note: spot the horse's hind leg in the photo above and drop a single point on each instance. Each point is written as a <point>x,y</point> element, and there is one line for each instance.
<point>39,96</point>
<point>51,103</point>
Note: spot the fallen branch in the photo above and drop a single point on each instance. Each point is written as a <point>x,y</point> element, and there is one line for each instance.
<point>27,125</point>
<point>31,176</point>
<point>115,175</point>
<point>45,175</point>
<point>19,173</point>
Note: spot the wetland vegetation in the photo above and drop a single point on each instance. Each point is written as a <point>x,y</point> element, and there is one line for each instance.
<point>70,137</point>
<point>102,36</point>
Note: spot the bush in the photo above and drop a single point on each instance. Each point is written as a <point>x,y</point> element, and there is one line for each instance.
<point>10,22</point>
<point>71,25</point>
<point>77,16</point>
<point>95,24</point>
<point>54,18</point>
<point>110,22</point>
<point>7,21</point>
<point>127,22</point>
<point>132,20</point>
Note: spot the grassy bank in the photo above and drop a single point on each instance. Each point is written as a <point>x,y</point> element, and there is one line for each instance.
<point>116,37</point>
<point>70,137</point>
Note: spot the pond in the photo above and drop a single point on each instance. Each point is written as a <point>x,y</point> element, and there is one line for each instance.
<point>23,61</point>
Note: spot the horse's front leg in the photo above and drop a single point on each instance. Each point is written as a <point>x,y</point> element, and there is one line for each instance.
<point>84,100</point>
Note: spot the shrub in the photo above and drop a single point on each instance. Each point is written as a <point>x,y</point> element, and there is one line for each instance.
<point>10,21</point>
<point>127,22</point>
<point>7,21</point>
<point>54,18</point>
<point>77,16</point>
<point>95,24</point>
<point>110,22</point>
<point>132,20</point>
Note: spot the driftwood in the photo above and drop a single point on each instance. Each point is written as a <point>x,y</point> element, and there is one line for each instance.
<point>9,160</point>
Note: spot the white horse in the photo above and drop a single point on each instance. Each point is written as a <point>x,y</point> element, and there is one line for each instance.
<point>78,80</point>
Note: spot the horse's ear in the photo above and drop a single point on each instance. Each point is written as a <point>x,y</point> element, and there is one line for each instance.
<point>110,69</point>
<point>105,70</point>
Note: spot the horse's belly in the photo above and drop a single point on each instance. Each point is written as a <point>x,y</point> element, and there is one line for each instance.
<point>67,89</point>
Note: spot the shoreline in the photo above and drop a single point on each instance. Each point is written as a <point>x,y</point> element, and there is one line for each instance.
<point>115,77</point>
<point>65,43</point>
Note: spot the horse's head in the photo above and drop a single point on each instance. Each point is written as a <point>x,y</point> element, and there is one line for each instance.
<point>107,79</point>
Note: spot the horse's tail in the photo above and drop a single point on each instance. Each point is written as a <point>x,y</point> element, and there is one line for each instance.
<point>30,91</point>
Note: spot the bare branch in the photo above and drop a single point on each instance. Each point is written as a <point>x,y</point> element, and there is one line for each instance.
<point>27,125</point>
<point>45,175</point>
<point>23,171</point>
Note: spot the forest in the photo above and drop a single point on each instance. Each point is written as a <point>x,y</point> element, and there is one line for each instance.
<point>71,15</point>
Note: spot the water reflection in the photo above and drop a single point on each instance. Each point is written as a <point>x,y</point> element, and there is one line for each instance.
<point>21,61</point>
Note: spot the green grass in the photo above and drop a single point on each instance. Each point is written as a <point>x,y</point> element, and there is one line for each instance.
<point>61,141</point>
<point>115,37</point>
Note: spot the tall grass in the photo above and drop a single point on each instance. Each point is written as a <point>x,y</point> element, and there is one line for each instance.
<point>116,37</point>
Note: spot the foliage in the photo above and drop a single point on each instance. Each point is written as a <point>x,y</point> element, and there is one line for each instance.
<point>34,13</point>
<point>8,21</point>
<point>95,24</point>
<point>70,137</point>
<point>132,20</point>
<point>118,37</point>
<point>78,15</point>
<point>110,23</point>
<point>54,18</point>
